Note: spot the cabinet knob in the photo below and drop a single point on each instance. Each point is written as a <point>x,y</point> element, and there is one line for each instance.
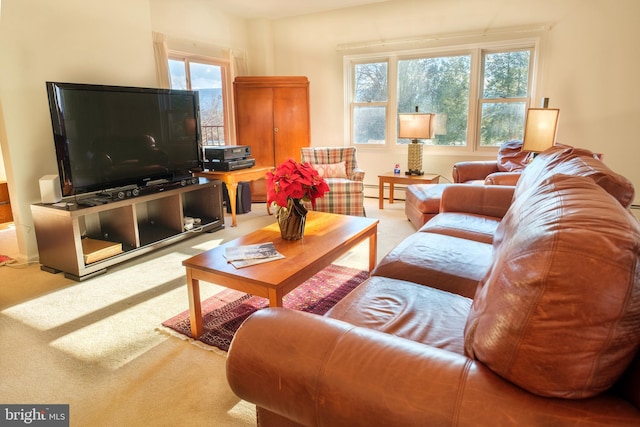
<point>276,129</point>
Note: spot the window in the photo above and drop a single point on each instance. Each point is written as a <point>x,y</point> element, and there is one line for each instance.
<point>479,93</point>
<point>208,77</point>
<point>505,93</point>
<point>437,85</point>
<point>369,108</point>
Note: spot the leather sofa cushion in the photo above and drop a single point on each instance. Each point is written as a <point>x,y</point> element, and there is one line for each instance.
<point>408,310</point>
<point>558,313</point>
<point>578,162</point>
<point>464,225</point>
<point>444,262</point>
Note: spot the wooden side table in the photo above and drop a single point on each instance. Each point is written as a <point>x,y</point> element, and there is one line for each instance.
<point>392,179</point>
<point>231,179</point>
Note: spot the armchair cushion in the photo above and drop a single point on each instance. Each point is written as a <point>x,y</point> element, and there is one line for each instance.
<point>329,155</point>
<point>331,170</point>
<point>537,318</point>
<point>511,157</point>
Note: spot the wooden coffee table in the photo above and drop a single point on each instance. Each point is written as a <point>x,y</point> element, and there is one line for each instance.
<point>326,237</point>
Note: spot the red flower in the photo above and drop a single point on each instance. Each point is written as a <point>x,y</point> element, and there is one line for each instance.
<point>296,181</point>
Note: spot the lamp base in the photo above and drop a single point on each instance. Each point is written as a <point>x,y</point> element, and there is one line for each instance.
<point>414,172</point>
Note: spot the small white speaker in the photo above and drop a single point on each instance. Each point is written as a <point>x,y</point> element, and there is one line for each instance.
<point>50,189</point>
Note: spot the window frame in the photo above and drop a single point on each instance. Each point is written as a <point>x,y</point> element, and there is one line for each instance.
<point>225,73</point>
<point>482,100</point>
<point>474,46</point>
<point>354,104</point>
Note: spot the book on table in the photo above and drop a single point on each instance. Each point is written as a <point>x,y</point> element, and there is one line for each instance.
<point>246,255</point>
<point>96,250</point>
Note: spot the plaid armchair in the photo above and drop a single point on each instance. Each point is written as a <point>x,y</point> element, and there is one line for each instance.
<point>339,167</point>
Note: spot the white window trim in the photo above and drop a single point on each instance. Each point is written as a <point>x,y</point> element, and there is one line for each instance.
<point>449,44</point>
<point>227,87</point>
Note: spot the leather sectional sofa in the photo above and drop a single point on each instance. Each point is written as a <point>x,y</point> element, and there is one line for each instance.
<point>512,306</point>
<point>423,200</point>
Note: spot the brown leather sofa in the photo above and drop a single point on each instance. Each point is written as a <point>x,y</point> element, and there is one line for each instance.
<point>513,306</point>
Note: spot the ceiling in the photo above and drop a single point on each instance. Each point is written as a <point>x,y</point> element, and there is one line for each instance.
<point>275,9</point>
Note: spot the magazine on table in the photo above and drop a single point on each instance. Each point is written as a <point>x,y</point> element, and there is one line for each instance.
<point>246,255</point>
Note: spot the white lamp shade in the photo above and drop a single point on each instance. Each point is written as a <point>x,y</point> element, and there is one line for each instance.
<point>415,126</point>
<point>540,129</point>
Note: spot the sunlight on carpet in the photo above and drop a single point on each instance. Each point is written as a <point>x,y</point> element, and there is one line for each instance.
<point>108,319</point>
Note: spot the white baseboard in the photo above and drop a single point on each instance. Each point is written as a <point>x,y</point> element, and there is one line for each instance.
<point>374,190</point>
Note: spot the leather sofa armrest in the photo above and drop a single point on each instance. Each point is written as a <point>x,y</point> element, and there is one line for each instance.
<point>487,200</point>
<point>473,170</point>
<point>502,178</point>
<point>315,370</point>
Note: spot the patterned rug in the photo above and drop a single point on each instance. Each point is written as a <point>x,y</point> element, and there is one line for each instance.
<point>224,312</point>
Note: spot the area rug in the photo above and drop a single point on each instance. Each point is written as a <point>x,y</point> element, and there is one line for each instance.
<point>224,312</point>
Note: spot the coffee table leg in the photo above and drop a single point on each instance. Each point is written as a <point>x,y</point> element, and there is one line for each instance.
<point>275,298</point>
<point>373,250</point>
<point>390,192</point>
<point>381,194</point>
<point>195,308</point>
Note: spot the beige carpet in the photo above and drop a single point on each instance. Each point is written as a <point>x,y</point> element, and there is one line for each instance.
<point>94,345</point>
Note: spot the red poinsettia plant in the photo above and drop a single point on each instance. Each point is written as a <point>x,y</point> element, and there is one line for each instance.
<point>297,181</point>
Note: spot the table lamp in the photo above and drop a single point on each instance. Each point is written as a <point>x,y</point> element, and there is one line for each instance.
<point>415,126</point>
<point>540,128</point>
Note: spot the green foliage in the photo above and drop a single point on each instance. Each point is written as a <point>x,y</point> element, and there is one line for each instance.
<point>437,85</point>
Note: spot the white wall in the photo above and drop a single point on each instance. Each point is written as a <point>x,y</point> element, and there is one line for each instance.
<point>195,26</point>
<point>72,40</point>
<point>589,70</point>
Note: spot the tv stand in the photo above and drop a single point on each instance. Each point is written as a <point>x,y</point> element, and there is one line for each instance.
<point>140,224</point>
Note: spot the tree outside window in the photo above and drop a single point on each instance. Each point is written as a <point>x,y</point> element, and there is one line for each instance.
<point>504,96</point>
<point>370,103</point>
<point>437,85</point>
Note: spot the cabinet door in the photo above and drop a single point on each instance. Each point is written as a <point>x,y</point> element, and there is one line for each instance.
<point>254,122</point>
<point>291,122</point>
<point>272,117</point>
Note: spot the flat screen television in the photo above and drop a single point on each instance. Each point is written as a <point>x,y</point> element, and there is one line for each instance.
<point>108,137</point>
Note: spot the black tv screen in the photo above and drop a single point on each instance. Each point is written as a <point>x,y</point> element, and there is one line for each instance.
<point>113,136</point>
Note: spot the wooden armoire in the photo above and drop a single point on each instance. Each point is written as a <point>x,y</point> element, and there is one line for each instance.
<point>272,117</point>
<point>5,204</point>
